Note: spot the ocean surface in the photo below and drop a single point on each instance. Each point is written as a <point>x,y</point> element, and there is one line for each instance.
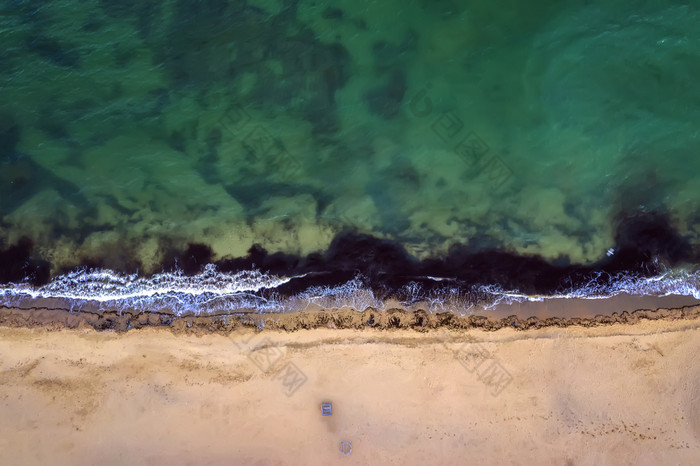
<point>218,155</point>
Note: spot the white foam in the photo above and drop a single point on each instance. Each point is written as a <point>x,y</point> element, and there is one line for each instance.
<point>253,291</point>
<point>671,282</point>
<point>107,285</point>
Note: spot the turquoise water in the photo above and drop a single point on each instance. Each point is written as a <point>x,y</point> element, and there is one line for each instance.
<point>131,129</point>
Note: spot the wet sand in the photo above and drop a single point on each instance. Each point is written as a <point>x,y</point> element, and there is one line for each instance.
<point>52,313</point>
<point>589,308</point>
<point>606,394</point>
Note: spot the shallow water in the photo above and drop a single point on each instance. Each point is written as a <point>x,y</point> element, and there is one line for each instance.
<point>563,130</point>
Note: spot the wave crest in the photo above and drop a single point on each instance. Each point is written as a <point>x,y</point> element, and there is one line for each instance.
<point>216,293</point>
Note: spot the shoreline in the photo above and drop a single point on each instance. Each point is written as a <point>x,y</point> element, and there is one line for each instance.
<point>418,320</point>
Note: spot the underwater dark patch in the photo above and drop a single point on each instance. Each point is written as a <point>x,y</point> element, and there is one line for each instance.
<point>121,256</point>
<point>206,165</point>
<point>333,13</point>
<point>385,100</point>
<point>386,266</point>
<point>160,98</point>
<point>18,264</point>
<point>201,33</point>
<point>55,117</point>
<point>122,55</point>
<point>21,178</point>
<point>53,127</point>
<point>145,13</point>
<point>644,236</point>
<point>191,261</point>
<point>323,119</point>
<point>646,243</point>
<point>252,195</point>
<point>51,50</point>
<point>314,71</point>
<point>29,11</point>
<point>178,141</point>
<point>93,24</point>
<point>9,137</point>
<point>388,204</point>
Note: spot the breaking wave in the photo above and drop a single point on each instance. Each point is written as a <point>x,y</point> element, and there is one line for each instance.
<point>215,293</point>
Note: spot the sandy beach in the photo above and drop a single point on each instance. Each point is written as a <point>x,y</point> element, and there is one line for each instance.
<point>608,394</point>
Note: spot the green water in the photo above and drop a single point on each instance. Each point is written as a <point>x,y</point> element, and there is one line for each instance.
<point>532,126</point>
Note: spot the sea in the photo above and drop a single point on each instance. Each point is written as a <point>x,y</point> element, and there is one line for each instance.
<point>221,156</point>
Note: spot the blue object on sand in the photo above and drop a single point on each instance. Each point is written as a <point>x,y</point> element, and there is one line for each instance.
<point>326,408</point>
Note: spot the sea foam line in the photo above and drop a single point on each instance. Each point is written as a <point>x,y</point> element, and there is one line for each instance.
<point>212,291</point>
<point>107,285</point>
<point>671,282</point>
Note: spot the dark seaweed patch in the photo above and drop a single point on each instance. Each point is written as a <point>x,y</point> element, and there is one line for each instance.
<point>9,137</point>
<point>218,41</point>
<point>646,244</point>
<point>160,98</point>
<point>388,199</point>
<point>122,55</point>
<point>252,195</point>
<point>121,256</point>
<point>145,13</point>
<point>93,24</point>
<point>641,237</point>
<point>315,71</point>
<point>29,11</point>
<point>324,119</point>
<point>388,204</point>
<point>51,50</point>
<point>122,9</point>
<point>195,258</point>
<point>56,116</point>
<point>388,56</point>
<point>202,33</point>
<point>384,51</point>
<point>18,264</point>
<point>444,8</point>
<point>206,166</point>
<point>17,184</point>
<point>385,100</point>
<point>191,261</point>
<point>333,13</point>
<point>22,178</point>
<point>258,257</point>
<point>178,141</point>
<point>53,127</point>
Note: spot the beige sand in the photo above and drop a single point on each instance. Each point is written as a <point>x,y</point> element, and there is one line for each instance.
<point>617,394</point>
